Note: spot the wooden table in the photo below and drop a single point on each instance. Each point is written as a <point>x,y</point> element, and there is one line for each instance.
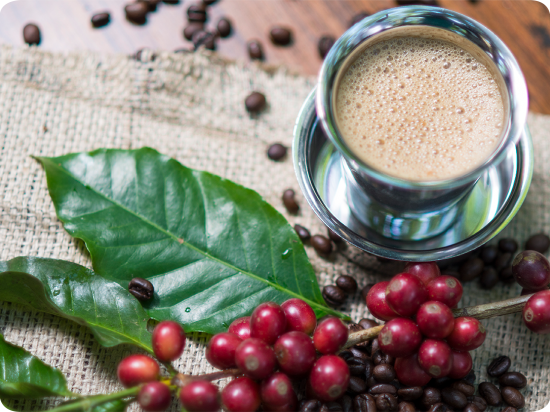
<point>524,25</point>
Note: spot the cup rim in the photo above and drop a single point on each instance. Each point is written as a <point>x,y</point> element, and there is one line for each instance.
<point>440,18</point>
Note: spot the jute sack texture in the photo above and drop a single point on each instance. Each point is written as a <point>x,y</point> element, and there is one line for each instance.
<point>190,107</point>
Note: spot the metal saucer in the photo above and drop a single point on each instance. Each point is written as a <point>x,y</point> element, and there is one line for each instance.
<point>491,205</point>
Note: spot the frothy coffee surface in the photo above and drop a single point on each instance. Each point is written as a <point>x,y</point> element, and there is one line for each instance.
<point>419,109</point>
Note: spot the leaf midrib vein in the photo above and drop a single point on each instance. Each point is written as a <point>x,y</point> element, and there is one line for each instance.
<point>252,275</point>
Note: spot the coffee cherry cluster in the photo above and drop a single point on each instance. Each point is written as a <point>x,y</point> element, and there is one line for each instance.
<point>273,346</point>
<point>434,344</point>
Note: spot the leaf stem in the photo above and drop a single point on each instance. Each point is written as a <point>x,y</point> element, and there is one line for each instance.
<point>90,402</point>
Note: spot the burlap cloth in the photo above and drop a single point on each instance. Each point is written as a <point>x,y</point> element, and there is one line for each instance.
<point>190,107</point>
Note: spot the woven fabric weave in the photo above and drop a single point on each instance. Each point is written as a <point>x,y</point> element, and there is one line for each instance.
<point>190,106</point>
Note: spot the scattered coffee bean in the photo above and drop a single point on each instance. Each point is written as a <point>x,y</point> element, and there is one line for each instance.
<point>384,373</point>
<point>276,151</point>
<point>333,407</point>
<point>346,354</point>
<point>513,379</point>
<point>386,402</point>
<point>347,403</point>
<point>512,397</point>
<point>509,409</point>
<point>364,403</point>
<point>357,366</point>
<point>255,50</point>
<point>311,406</point>
<point>488,278</point>
<point>367,323</point>
<point>324,45</point>
<point>471,407</point>
<point>358,17</point>
<point>197,12</point>
<point>470,377</point>
<point>488,254</point>
<point>289,200</point>
<point>141,288</point>
<point>151,4</point>
<point>430,397</point>
<point>357,385</point>
<point>347,284</point>
<point>539,243</point>
<point>209,2</point>
<point>410,394</point>
<point>508,245</point>
<point>381,388</point>
<point>224,27</point>
<point>365,291</point>
<point>454,398</point>
<point>375,346</point>
<point>352,327</point>
<point>204,39</point>
<point>31,34</point>
<point>406,407</point>
<point>499,366</point>
<point>503,260</point>
<point>490,393</point>
<point>438,407</point>
<point>464,387</point>
<point>191,29</point>
<point>380,358</point>
<point>322,246</point>
<point>471,269</point>
<point>255,102</point>
<point>280,36</point>
<point>333,294</point>
<point>302,232</point>
<point>478,401</point>
<point>506,275</point>
<point>136,13</point>
<point>100,20</point>
<point>358,353</point>
<point>333,236</point>
<point>369,368</point>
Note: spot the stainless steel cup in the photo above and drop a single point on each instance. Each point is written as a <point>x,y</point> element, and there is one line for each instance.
<point>411,210</point>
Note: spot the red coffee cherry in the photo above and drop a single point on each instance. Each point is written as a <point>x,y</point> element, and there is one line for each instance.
<point>241,327</point>
<point>220,352</point>
<point>405,293</point>
<point>434,356</point>
<point>445,289</point>
<point>329,378</point>
<point>461,364</point>
<point>200,396</point>
<point>399,337</point>
<point>376,302</point>
<point>468,334</point>
<point>137,369</point>
<point>435,320</point>
<point>536,312</point>
<point>278,394</point>
<point>255,358</point>
<point>330,335</point>
<point>531,270</point>
<point>154,397</point>
<point>409,372</point>
<point>168,341</point>
<point>241,395</point>
<point>299,316</point>
<point>425,271</point>
<point>267,322</point>
<point>295,353</point>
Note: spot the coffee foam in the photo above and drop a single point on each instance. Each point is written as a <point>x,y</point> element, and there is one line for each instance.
<point>419,109</point>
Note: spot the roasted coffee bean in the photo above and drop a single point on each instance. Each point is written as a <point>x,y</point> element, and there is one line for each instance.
<point>333,407</point>
<point>141,288</point>
<point>386,402</point>
<point>488,254</point>
<point>464,387</point>
<point>371,382</point>
<point>539,243</point>
<point>204,39</point>
<point>170,1</point>
<point>513,379</point>
<point>191,29</point>
<point>509,409</point>
<point>365,291</point>
<point>471,269</point>
<point>347,403</point>
<point>197,12</point>
<point>380,358</point>
<point>289,200</point>
<point>471,407</point>
<point>358,17</point>
<point>375,346</point>
<point>346,354</point>
<point>490,393</point>
<point>352,327</point>
<point>470,377</point>
<point>441,382</point>
<point>506,275</point>
<point>255,102</point>
<point>430,397</point>
<point>359,353</point>
<point>312,405</point>
<point>151,4</point>
<point>276,151</point>
<point>438,407</point>
<point>454,398</point>
<point>410,394</point>
<point>364,403</point>
<point>333,236</point>
<point>333,294</point>
<point>512,397</point>
<point>302,232</point>
<point>357,385</point>
<point>369,368</point>
<point>347,284</point>
<point>508,245</point>
<point>324,45</point>
<point>356,366</point>
<point>280,36</point>
<point>381,388</point>
<point>31,34</point>
<point>503,260</point>
<point>100,19</point>
<point>406,407</point>
<point>368,323</point>
<point>488,278</point>
<point>224,27</point>
<point>209,2</point>
<point>499,366</point>
<point>322,246</point>
<point>384,373</point>
<point>136,12</point>
<point>255,50</point>
<point>478,401</point>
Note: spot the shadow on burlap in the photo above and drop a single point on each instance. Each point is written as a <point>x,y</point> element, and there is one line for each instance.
<point>190,107</point>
